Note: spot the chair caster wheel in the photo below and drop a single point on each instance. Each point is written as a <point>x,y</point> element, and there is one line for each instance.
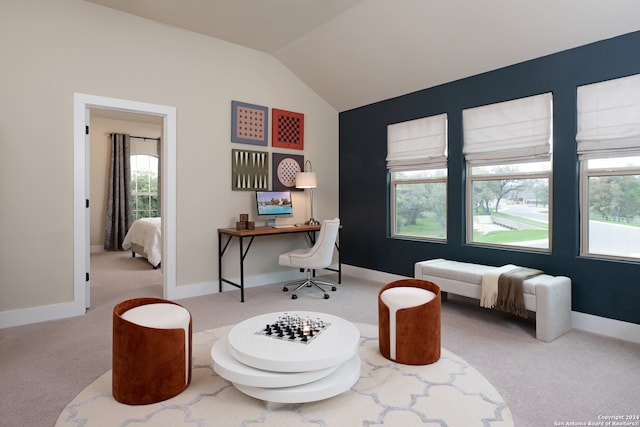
<point>326,296</point>
<point>333,288</point>
<point>285,289</point>
<point>294,296</point>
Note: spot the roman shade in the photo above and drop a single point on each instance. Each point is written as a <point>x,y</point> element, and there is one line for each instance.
<point>609,118</point>
<point>417,144</point>
<point>515,131</point>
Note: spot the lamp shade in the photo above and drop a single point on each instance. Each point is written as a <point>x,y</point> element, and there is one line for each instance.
<point>306,180</point>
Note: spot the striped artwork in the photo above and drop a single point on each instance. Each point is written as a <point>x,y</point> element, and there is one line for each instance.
<point>249,170</point>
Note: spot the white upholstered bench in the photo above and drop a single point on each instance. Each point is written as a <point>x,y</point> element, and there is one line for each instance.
<point>548,296</point>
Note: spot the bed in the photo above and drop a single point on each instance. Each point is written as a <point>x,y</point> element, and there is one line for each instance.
<point>145,239</point>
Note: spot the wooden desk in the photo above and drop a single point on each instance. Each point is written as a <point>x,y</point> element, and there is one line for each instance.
<point>230,233</point>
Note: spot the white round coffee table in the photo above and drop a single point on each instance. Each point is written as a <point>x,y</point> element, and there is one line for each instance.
<point>286,369</point>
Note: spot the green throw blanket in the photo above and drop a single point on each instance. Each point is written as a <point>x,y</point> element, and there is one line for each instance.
<point>511,290</point>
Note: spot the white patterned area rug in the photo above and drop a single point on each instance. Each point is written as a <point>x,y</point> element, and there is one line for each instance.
<point>447,393</point>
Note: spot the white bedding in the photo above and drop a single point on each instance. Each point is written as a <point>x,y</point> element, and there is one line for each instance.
<point>146,232</point>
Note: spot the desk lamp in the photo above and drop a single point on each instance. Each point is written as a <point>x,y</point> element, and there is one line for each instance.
<point>307,179</point>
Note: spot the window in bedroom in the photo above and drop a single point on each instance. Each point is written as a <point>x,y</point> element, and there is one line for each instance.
<point>417,162</point>
<point>144,186</point>
<point>507,148</point>
<point>609,153</point>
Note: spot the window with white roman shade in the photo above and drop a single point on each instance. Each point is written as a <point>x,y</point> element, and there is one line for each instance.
<point>608,148</point>
<point>417,163</point>
<point>507,148</point>
<point>417,144</point>
<point>609,118</point>
<point>513,131</point>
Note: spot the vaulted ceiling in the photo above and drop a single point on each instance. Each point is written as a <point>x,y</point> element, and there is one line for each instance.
<point>356,52</point>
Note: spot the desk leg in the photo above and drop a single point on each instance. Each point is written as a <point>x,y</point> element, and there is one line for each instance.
<point>241,271</point>
<point>339,265</point>
<point>219,262</point>
<point>243,253</point>
<point>221,250</point>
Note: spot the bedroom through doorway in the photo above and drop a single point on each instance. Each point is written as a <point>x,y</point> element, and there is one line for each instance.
<point>119,275</point>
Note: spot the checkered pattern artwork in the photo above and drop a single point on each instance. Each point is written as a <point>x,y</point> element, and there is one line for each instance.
<point>285,169</point>
<point>249,123</point>
<point>249,170</point>
<point>287,129</point>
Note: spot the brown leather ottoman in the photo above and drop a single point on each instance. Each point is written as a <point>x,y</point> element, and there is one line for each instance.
<point>151,350</point>
<point>409,321</point>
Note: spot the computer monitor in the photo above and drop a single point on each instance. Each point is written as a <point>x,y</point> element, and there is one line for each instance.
<point>274,204</point>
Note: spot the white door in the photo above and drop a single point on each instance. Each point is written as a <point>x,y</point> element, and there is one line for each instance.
<point>87,215</point>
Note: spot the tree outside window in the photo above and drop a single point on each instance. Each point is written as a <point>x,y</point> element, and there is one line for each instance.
<point>510,205</point>
<point>419,204</point>
<point>144,186</point>
<point>612,224</point>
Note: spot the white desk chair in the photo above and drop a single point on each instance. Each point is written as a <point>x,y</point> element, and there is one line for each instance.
<point>317,257</point>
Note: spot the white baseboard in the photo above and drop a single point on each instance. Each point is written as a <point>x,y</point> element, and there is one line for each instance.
<point>603,326</point>
<point>194,290</point>
<point>43,313</point>
<point>207,288</point>
<point>373,275</point>
<point>96,248</point>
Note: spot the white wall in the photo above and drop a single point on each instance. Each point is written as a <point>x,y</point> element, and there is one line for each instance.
<point>53,49</point>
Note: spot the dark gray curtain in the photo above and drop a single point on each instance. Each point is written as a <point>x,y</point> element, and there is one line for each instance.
<point>119,209</point>
<point>159,148</point>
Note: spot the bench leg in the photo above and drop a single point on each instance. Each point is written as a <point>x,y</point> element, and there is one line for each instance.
<point>553,309</point>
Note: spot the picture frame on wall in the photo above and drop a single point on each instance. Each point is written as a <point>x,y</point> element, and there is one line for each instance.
<point>249,123</point>
<point>285,169</point>
<point>249,170</point>
<point>287,129</point>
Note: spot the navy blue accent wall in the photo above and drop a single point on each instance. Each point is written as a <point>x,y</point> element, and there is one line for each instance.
<point>601,287</point>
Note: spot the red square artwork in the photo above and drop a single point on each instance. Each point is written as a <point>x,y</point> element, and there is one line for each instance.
<point>287,129</point>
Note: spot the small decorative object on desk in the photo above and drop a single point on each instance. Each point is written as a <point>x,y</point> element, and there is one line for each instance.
<point>244,223</point>
<point>294,329</point>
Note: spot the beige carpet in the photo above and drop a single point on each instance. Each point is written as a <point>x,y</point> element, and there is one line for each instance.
<point>449,393</point>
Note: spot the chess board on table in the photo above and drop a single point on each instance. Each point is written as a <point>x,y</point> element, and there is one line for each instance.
<point>294,329</point>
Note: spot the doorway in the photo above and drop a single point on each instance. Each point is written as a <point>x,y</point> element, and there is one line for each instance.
<point>83,103</point>
<point>118,275</point>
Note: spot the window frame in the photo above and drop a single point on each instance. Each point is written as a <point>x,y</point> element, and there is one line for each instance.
<point>585,174</point>
<point>135,194</point>
<point>469,207</point>
<point>392,198</point>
